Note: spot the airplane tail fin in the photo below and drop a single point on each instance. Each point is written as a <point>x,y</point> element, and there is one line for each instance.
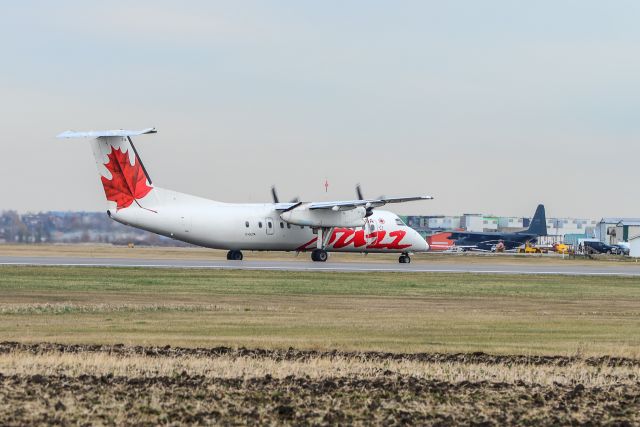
<point>538,223</point>
<point>124,177</point>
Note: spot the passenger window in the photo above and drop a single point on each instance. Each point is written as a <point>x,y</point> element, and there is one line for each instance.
<point>372,227</point>
<point>281,224</point>
<point>269,224</point>
<point>259,224</point>
<point>246,224</point>
<point>288,225</point>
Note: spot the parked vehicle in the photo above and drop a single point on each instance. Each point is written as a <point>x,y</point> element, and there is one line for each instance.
<point>594,247</point>
<point>621,249</point>
<point>528,248</point>
<point>561,248</point>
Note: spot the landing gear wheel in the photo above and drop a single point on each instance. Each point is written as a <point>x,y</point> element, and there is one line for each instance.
<point>319,255</point>
<point>234,256</point>
<point>404,259</point>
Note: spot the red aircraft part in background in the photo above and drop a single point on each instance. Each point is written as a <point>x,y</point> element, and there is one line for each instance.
<point>440,241</point>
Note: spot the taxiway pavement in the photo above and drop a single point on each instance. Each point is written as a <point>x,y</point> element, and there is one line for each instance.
<point>460,266</point>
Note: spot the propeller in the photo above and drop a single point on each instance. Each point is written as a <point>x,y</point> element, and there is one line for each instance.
<point>369,211</point>
<point>359,192</point>
<point>274,195</point>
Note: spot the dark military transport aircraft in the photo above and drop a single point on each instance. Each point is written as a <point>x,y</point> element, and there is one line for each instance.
<point>486,241</point>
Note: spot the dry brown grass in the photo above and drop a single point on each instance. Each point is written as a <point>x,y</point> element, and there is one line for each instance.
<point>89,384</point>
<point>75,364</point>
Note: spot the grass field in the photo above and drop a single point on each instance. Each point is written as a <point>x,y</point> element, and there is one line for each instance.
<point>346,311</point>
<point>316,348</point>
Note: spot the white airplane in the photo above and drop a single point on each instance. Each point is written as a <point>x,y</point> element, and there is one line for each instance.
<point>341,226</point>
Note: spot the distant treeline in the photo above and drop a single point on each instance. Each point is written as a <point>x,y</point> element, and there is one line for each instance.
<point>73,227</point>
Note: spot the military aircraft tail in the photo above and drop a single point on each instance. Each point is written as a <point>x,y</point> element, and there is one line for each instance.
<point>538,223</point>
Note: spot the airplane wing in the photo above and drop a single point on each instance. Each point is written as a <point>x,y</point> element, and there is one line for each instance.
<point>404,199</point>
<point>332,214</point>
<point>343,205</point>
<point>455,235</point>
<point>286,206</point>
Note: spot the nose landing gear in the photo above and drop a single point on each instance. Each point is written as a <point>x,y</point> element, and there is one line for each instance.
<point>234,256</point>
<point>404,259</point>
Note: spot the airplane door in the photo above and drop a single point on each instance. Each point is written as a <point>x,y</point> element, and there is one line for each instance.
<point>269,223</point>
<point>370,232</point>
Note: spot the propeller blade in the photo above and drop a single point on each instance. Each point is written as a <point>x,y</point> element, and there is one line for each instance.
<point>274,194</point>
<point>368,208</point>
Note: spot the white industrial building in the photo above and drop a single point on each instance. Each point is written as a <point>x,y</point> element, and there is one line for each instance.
<point>634,247</point>
<point>443,222</point>
<point>611,230</point>
<point>562,226</point>
<point>512,223</point>
<point>479,222</point>
<point>557,228</point>
<point>627,230</point>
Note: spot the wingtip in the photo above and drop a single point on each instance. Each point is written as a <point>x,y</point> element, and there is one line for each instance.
<point>64,134</point>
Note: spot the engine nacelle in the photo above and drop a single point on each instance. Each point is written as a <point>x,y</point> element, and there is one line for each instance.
<point>351,218</point>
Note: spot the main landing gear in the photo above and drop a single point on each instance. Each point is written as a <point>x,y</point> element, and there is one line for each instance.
<point>320,254</point>
<point>234,256</point>
<point>404,259</point>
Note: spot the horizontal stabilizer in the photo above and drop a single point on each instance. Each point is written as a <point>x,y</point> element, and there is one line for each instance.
<point>105,133</point>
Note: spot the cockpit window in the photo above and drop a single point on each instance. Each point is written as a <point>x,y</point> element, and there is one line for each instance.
<point>399,222</point>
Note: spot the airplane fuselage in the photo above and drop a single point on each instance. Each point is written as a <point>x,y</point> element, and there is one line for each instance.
<point>233,226</point>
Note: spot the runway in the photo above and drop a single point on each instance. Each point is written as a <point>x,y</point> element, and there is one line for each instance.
<point>460,266</point>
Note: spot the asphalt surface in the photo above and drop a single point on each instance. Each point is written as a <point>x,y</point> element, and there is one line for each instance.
<point>461,266</point>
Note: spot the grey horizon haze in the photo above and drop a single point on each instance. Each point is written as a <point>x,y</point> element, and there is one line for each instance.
<point>490,106</point>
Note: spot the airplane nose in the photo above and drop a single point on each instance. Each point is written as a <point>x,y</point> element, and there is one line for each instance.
<point>419,243</point>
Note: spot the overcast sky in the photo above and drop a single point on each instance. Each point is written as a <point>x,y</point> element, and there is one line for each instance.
<point>490,106</point>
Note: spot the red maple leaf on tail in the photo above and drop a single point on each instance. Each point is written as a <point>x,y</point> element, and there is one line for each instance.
<point>128,182</point>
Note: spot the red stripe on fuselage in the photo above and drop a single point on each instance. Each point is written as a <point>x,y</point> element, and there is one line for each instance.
<point>346,237</point>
